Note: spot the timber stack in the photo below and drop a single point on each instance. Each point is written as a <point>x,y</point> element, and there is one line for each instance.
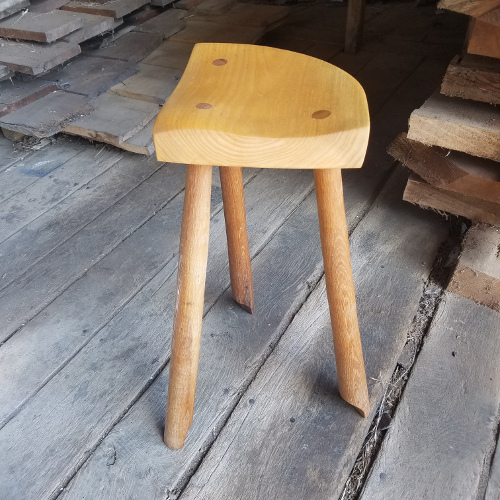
<point>133,53</point>
<point>453,141</point>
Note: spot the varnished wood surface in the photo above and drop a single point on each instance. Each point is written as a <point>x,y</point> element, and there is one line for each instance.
<point>241,105</point>
<point>189,299</point>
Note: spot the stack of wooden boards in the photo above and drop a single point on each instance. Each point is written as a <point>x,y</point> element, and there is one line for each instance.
<point>453,142</point>
<point>113,93</point>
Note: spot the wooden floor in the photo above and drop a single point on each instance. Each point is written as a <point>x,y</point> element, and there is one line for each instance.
<point>88,254</point>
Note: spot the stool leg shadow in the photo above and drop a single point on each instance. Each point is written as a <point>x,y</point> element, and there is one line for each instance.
<point>193,254</point>
<point>340,289</point>
<point>237,238</point>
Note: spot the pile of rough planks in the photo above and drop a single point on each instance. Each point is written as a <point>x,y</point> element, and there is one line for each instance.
<point>112,91</point>
<point>453,142</point>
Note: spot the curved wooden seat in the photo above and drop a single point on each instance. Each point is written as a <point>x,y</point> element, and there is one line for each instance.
<point>248,106</point>
<point>255,106</point>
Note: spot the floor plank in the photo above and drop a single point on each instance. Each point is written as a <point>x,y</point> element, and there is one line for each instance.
<point>204,32</point>
<point>92,26</point>
<point>170,55</point>
<point>153,241</point>
<point>50,190</point>
<point>166,24</point>
<point>444,429</point>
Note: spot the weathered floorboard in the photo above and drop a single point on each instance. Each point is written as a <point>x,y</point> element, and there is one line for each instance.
<point>152,299</point>
<point>443,433</point>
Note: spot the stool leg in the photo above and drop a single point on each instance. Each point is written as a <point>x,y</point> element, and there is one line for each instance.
<point>237,238</point>
<point>193,253</point>
<point>340,289</point>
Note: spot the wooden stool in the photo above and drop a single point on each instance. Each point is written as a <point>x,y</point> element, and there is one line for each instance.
<point>250,106</point>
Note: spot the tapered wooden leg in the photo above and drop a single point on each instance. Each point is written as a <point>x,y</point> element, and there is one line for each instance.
<point>340,289</point>
<point>191,275</point>
<point>237,238</point>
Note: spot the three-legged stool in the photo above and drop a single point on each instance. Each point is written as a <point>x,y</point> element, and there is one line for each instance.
<point>250,106</point>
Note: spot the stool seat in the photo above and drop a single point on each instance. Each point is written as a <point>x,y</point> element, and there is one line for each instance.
<point>254,106</point>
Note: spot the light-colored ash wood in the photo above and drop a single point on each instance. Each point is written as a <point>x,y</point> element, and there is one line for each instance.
<point>449,170</point>
<point>473,8</point>
<point>484,39</point>
<point>340,289</point>
<point>321,123</point>
<point>473,77</point>
<point>462,125</point>
<point>426,195</point>
<point>354,25</point>
<point>240,269</point>
<point>193,253</point>
<point>442,436</point>
<point>40,27</point>
<point>477,275</point>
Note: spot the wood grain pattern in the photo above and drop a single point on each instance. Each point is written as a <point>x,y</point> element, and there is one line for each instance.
<point>93,25</point>
<point>443,432</point>
<point>473,8</point>
<point>131,47</point>
<point>170,55</point>
<point>40,27</point>
<point>426,195</point>
<point>484,39</point>
<point>191,274</point>
<point>462,125</point>
<point>240,269</point>
<point>477,275</point>
<point>114,119</point>
<point>167,23</point>
<point>473,77</point>
<point>113,8</point>
<point>451,171</point>
<point>275,134</point>
<point>48,115</point>
<point>340,289</point>
<point>33,59</point>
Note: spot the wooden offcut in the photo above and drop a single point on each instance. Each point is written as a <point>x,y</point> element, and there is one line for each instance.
<point>114,119</point>
<point>166,24</point>
<point>93,25</point>
<point>33,59</point>
<point>15,93</point>
<point>113,8</point>
<point>91,76</point>
<point>473,8</point>
<point>213,7</point>
<point>40,27</point>
<point>44,6</point>
<point>462,125</point>
<point>426,195</point>
<point>151,84</point>
<point>473,77</point>
<point>449,170</point>
<point>48,115</point>
<point>484,39</point>
<point>131,47</point>
<point>477,274</point>
<point>249,14</point>
<point>142,142</point>
<point>9,7</point>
